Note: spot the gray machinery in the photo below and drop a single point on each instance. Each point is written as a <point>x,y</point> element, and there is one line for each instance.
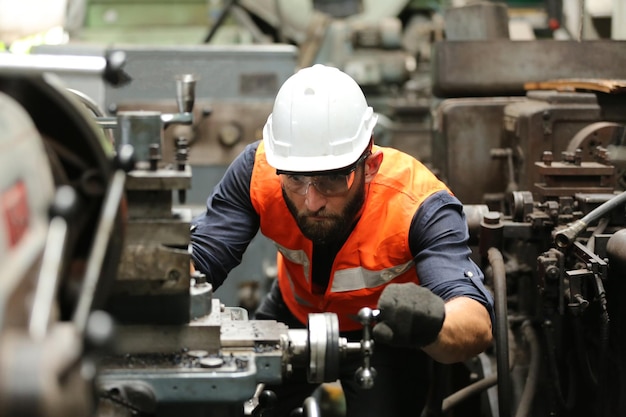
<point>234,92</point>
<point>61,193</point>
<point>530,137</point>
<point>178,349</point>
<point>230,113</point>
<point>100,315</point>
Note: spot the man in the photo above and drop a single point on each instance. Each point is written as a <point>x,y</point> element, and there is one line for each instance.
<point>356,225</point>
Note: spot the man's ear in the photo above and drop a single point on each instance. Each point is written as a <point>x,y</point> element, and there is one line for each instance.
<point>372,164</point>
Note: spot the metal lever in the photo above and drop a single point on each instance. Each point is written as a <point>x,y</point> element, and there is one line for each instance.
<point>185,92</point>
<point>109,67</point>
<point>366,374</point>
<point>185,99</point>
<point>104,232</point>
<point>64,206</point>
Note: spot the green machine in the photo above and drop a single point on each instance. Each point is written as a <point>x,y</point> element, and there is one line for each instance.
<point>153,22</point>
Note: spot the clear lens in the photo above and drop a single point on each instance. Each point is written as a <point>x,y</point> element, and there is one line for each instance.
<point>328,185</point>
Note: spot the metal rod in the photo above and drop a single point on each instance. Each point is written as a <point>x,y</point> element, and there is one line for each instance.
<point>63,206</point>
<point>25,64</point>
<point>98,251</point>
<point>220,20</point>
<point>581,21</point>
<point>49,277</point>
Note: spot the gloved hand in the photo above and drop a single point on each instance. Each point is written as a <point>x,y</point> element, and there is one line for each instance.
<point>410,316</point>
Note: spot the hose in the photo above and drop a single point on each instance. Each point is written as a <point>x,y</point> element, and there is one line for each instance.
<point>604,342</point>
<point>502,325</point>
<point>565,400</point>
<point>530,388</point>
<point>502,343</point>
<point>477,387</point>
<point>565,237</point>
<point>481,385</point>
<point>602,224</point>
<point>438,384</point>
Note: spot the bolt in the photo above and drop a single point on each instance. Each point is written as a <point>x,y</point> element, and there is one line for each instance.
<point>578,156</point>
<point>154,156</point>
<point>173,274</point>
<point>547,157</point>
<point>492,217</point>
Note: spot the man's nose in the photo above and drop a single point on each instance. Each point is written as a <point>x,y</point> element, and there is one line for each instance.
<point>313,199</point>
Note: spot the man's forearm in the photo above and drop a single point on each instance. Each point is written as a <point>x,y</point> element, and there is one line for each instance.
<point>466,332</point>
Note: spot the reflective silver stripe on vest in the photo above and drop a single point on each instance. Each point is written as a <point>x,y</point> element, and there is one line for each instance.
<point>296,297</point>
<point>360,278</point>
<point>297,257</point>
<point>347,279</point>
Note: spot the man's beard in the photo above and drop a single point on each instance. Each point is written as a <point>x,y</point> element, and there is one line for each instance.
<point>334,227</point>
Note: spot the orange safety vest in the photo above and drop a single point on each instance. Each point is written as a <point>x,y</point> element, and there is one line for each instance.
<point>376,252</point>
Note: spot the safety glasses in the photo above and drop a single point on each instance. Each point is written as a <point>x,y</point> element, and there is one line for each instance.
<point>332,184</point>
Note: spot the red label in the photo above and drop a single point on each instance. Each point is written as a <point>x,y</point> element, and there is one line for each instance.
<point>14,208</point>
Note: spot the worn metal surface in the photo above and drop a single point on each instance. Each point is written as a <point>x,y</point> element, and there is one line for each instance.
<point>546,121</point>
<point>151,341</point>
<point>175,234</point>
<point>480,20</point>
<point>486,147</point>
<point>190,386</point>
<point>48,142</point>
<point>246,73</point>
<point>565,179</point>
<point>154,267</point>
<point>465,130</point>
<point>222,128</point>
<point>209,365</point>
<point>162,179</point>
<point>165,339</point>
<point>501,67</point>
<point>235,91</point>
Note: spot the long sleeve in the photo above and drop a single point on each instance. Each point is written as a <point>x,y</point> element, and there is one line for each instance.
<point>221,234</point>
<point>438,241</point>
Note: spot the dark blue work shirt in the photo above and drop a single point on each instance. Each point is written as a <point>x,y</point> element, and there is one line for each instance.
<point>437,239</point>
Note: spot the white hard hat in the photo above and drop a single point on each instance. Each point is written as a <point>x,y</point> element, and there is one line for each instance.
<point>320,122</point>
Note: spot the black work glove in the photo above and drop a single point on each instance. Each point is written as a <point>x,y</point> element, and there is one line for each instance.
<point>410,316</point>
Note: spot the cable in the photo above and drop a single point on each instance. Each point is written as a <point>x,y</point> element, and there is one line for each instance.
<point>461,395</point>
<point>502,325</point>
<point>530,388</point>
<point>565,237</point>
